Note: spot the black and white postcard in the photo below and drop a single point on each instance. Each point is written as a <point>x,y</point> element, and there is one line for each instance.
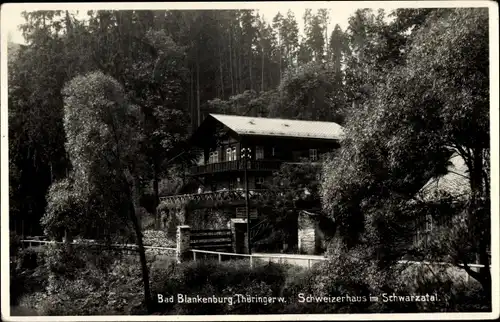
<point>219,161</point>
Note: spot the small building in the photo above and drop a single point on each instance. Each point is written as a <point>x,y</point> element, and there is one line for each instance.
<point>228,145</point>
<point>455,183</point>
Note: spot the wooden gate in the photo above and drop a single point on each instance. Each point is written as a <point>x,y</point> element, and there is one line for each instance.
<point>219,240</point>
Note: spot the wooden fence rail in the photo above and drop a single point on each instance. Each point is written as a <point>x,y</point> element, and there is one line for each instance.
<point>90,243</point>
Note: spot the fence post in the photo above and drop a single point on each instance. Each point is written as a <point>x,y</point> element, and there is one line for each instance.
<point>220,258</point>
<point>183,241</point>
<point>194,256</point>
<point>309,263</point>
<point>251,262</point>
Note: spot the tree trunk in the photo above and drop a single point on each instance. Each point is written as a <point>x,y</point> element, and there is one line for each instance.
<point>221,75</point>
<point>192,103</point>
<point>51,172</point>
<point>262,72</point>
<point>240,88</point>
<point>311,109</point>
<point>280,56</point>
<point>479,223</point>
<point>156,194</point>
<point>250,67</point>
<point>198,112</point>
<point>231,60</point>
<point>142,256</point>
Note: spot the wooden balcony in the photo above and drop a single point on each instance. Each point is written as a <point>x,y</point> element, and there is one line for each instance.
<point>237,165</point>
<point>205,199</point>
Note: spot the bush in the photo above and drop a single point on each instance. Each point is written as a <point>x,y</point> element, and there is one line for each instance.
<point>95,292</point>
<point>62,260</point>
<point>14,244</point>
<point>28,258</point>
<point>469,297</point>
<point>74,280</point>
<point>157,238</point>
<point>455,294</point>
<point>303,281</point>
<point>209,278</point>
<point>28,274</point>
<point>82,288</point>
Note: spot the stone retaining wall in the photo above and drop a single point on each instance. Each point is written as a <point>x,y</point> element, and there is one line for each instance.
<point>308,238</point>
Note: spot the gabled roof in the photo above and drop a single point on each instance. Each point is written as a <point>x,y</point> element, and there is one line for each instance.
<point>245,125</point>
<point>455,182</point>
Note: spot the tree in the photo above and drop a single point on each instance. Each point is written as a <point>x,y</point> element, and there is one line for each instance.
<point>293,187</point>
<point>102,140</point>
<point>307,93</point>
<point>364,39</point>
<point>153,73</point>
<point>435,105</point>
<point>288,33</point>
<point>337,47</point>
<point>37,73</point>
<point>315,26</point>
<point>248,103</point>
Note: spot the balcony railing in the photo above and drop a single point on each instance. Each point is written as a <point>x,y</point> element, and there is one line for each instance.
<point>219,196</point>
<point>237,165</point>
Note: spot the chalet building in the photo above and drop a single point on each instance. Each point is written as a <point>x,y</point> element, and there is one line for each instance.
<point>228,145</point>
<point>454,183</point>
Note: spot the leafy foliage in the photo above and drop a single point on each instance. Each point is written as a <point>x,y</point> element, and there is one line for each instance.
<point>293,187</point>
<point>409,129</point>
<point>308,93</point>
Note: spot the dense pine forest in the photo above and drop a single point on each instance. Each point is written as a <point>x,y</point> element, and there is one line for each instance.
<point>177,66</point>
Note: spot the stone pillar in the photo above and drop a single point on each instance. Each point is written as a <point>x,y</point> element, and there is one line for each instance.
<point>307,234</point>
<point>239,233</point>
<point>183,241</point>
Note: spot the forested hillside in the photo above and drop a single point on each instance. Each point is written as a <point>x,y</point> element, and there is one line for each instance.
<point>177,66</point>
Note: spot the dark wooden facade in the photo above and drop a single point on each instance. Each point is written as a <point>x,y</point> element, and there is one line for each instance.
<point>221,165</point>
<point>220,170</point>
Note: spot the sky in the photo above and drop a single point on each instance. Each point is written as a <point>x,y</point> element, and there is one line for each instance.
<point>339,12</point>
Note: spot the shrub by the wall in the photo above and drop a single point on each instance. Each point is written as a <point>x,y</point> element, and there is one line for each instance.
<point>158,238</point>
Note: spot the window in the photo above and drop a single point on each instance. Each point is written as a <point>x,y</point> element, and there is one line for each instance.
<point>428,224</point>
<point>231,154</point>
<point>213,157</point>
<point>232,184</point>
<point>259,153</point>
<point>313,154</point>
<point>259,182</point>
